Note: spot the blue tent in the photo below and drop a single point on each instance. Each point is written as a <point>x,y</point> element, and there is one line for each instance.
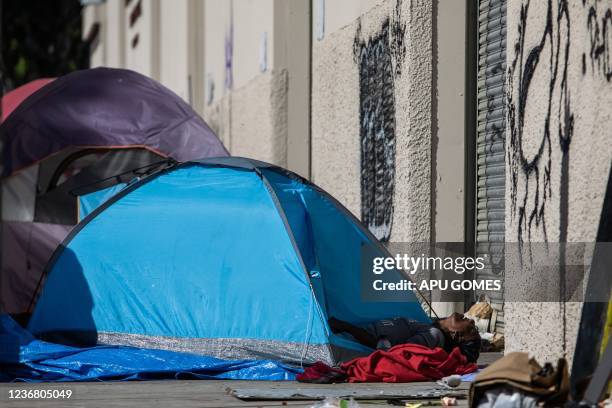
<point>90,201</point>
<point>226,257</point>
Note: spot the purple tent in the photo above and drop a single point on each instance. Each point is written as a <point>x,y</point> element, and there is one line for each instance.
<point>88,131</point>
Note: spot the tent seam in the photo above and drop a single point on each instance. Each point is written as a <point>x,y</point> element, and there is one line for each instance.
<point>369,235</point>
<point>289,231</point>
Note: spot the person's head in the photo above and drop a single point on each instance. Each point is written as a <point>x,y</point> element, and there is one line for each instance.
<point>459,327</point>
<point>461,332</point>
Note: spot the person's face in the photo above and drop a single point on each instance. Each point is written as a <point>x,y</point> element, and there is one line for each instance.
<point>460,326</point>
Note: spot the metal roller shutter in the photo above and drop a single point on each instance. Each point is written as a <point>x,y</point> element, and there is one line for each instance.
<point>490,148</point>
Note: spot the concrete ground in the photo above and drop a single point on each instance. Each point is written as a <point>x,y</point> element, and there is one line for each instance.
<point>193,393</point>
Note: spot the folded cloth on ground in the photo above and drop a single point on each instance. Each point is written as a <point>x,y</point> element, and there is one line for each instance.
<point>321,373</point>
<point>522,375</point>
<point>402,363</point>
<point>24,358</point>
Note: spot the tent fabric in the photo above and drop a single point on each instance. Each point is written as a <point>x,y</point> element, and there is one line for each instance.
<point>25,358</point>
<point>89,202</point>
<point>12,99</point>
<point>73,135</point>
<point>400,364</point>
<point>59,203</point>
<point>104,107</point>
<point>408,363</point>
<point>306,205</point>
<point>26,249</point>
<point>19,195</point>
<point>244,261</point>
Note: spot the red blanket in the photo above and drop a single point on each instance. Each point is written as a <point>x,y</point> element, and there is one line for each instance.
<point>402,363</point>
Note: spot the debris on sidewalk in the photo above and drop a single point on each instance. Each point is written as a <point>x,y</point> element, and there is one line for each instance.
<point>336,403</point>
<point>484,315</point>
<point>518,380</point>
<point>451,381</point>
<point>492,342</point>
<point>480,310</point>
<point>442,402</point>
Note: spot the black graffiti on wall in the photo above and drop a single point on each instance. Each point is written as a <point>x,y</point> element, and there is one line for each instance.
<point>541,131</point>
<point>530,165</point>
<point>379,59</point>
<point>599,26</point>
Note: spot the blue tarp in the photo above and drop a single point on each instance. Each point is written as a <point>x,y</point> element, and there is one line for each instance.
<point>24,358</point>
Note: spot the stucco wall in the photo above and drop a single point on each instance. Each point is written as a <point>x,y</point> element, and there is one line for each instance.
<point>256,57</point>
<point>394,40</point>
<point>252,120</point>
<point>245,96</point>
<point>558,146</point>
<point>234,33</point>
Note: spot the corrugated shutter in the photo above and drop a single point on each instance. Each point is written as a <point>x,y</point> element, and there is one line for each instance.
<point>490,149</point>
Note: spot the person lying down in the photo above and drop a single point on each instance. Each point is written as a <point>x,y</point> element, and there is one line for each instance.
<point>448,333</point>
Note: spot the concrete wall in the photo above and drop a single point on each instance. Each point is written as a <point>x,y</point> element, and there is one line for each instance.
<point>420,65</point>
<point>142,37</point>
<point>448,131</point>
<point>217,22</point>
<point>174,47</point>
<point>449,112</point>
<point>558,148</point>
<point>147,36</point>
<point>95,15</point>
<point>195,55</point>
<point>108,47</point>
<point>115,33</point>
<point>257,82</point>
<point>239,48</point>
<point>332,15</point>
<point>371,83</point>
<point>295,18</point>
